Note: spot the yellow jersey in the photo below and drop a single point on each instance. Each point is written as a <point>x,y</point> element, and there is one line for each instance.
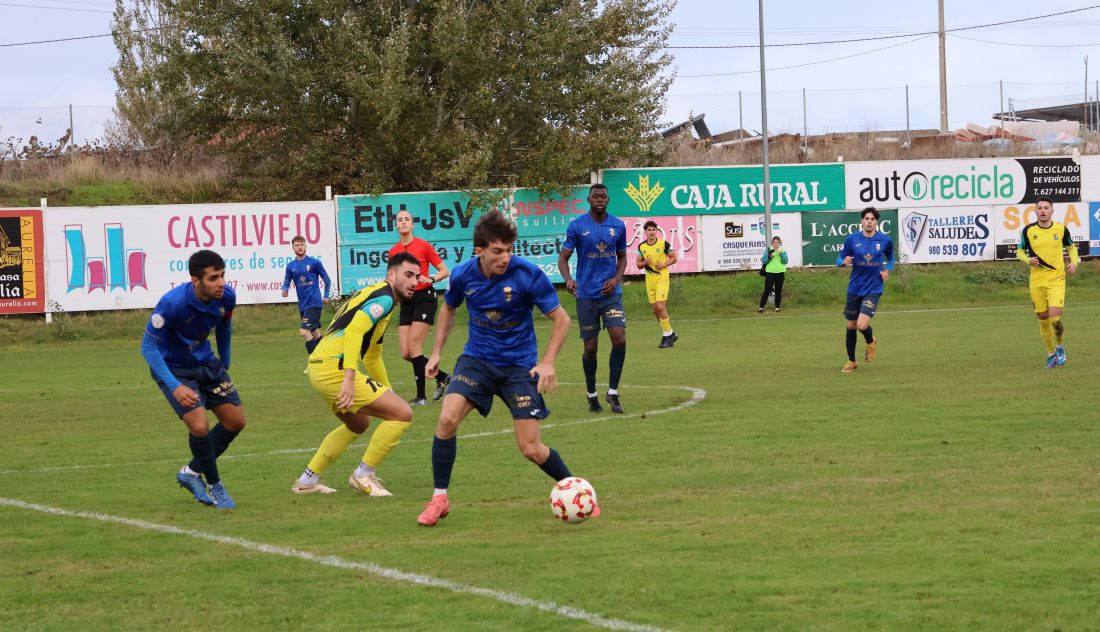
<point>1046,244</point>
<point>657,252</point>
<point>356,331</point>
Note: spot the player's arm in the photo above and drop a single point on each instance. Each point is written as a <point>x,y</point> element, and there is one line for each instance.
<point>321,272</point>
<point>640,259</point>
<point>286,280</point>
<point>559,329</point>
<point>1023,250</point>
<point>443,326</point>
<point>846,253</point>
<point>567,248</point>
<point>1071,250</point>
<point>223,335</point>
<point>620,267</point>
<point>161,321</point>
<point>365,317</point>
<point>374,365</point>
<point>670,256</point>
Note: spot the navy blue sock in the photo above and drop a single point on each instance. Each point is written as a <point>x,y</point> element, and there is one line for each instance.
<point>443,460</point>
<point>868,336</point>
<point>419,362</point>
<point>618,359</point>
<point>221,438</point>
<point>312,344</point>
<point>850,342</point>
<point>588,362</point>
<point>554,467</point>
<point>205,463</point>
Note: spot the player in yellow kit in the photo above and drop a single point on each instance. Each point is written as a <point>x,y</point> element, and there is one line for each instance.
<point>355,335</point>
<point>656,256</point>
<point>1041,245</point>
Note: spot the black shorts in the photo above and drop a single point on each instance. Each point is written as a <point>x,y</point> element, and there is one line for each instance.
<point>856,305</point>
<point>606,309</point>
<point>210,381</point>
<point>311,318</point>
<point>478,381</point>
<point>419,308</point>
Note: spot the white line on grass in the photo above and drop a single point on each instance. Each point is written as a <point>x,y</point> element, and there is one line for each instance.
<point>393,574</point>
<point>697,395</point>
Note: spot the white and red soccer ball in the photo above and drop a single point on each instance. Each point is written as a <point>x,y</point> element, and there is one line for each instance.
<point>573,500</point>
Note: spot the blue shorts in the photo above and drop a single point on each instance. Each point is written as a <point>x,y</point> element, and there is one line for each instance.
<point>478,381</point>
<point>311,318</point>
<point>211,381</point>
<point>591,311</point>
<point>865,304</point>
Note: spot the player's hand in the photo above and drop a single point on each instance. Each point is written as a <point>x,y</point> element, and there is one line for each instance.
<point>431,369</point>
<point>185,395</point>
<point>347,393</point>
<point>571,287</point>
<point>1071,268</point>
<point>1033,262</point>
<point>548,378</point>
<point>847,261</point>
<point>609,286</point>
<point>285,294</point>
<point>885,274</point>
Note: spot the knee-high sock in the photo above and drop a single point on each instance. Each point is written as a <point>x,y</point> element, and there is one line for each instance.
<point>850,343</point>
<point>868,336</point>
<point>419,362</point>
<point>666,325</point>
<point>1047,332</point>
<point>443,460</point>
<point>220,438</point>
<point>202,449</point>
<point>588,363</point>
<point>385,437</point>
<point>335,444</point>
<point>616,362</point>
<point>1058,327</point>
<point>312,344</point>
<point>554,466</point>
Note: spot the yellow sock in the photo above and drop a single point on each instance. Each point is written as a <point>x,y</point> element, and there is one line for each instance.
<point>1056,325</point>
<point>385,437</point>
<point>1047,332</point>
<point>666,326</point>
<point>335,444</point>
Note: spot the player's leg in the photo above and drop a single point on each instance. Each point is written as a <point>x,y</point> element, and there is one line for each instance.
<point>851,313</point>
<point>417,332</point>
<point>614,320</point>
<point>303,325</point>
<point>589,324</point>
<point>779,279</point>
<point>660,296</point>
<point>1056,298</point>
<point>1040,302</point>
<point>327,379</point>
<point>396,416</point>
<point>220,395</point>
<point>867,309</point>
<point>203,461</point>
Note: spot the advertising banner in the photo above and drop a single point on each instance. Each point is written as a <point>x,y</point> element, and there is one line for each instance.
<point>22,289</point>
<point>367,229</point>
<point>1090,177</point>
<point>1094,226</point>
<point>1009,222</point>
<point>681,233</point>
<point>932,235</point>
<point>823,234</point>
<point>127,257</point>
<point>724,190</point>
<point>944,183</point>
<point>737,242</point>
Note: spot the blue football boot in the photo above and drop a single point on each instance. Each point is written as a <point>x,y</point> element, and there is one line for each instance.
<point>221,497</point>
<point>195,485</point>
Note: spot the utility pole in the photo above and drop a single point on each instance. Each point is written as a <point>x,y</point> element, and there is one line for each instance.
<point>943,73</point>
<point>764,126</point>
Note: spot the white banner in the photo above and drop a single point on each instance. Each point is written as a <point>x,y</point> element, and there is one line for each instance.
<point>930,235</point>
<point>127,257</point>
<point>1009,222</point>
<point>1090,177</point>
<point>737,242</point>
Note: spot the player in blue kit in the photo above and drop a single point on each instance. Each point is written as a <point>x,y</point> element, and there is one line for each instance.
<point>600,242</point>
<point>177,347</point>
<point>871,255</point>
<point>501,353</point>
<point>305,272</point>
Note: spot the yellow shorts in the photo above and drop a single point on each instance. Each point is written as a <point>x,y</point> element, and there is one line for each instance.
<point>656,288</point>
<point>327,377</point>
<point>1044,297</point>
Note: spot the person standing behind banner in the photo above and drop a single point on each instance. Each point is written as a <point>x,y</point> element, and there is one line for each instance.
<point>418,313</point>
<point>775,272</point>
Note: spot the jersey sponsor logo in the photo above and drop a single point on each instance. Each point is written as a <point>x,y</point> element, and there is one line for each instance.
<point>157,321</point>
<point>493,314</point>
<point>601,246</point>
<point>377,310</point>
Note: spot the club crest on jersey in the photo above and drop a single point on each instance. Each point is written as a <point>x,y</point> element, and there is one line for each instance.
<point>507,294</point>
<point>493,314</point>
<point>307,267</point>
<point>611,231</point>
<point>877,245</point>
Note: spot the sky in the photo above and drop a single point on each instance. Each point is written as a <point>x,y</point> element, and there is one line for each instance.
<point>1040,62</point>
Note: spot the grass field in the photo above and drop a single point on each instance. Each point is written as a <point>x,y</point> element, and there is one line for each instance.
<point>949,485</point>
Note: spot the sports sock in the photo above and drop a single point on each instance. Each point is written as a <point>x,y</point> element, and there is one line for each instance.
<point>385,437</point>
<point>202,448</point>
<point>850,343</point>
<point>868,336</point>
<point>419,362</point>
<point>666,326</point>
<point>444,452</point>
<point>588,363</point>
<point>612,391</point>
<point>335,444</point>
<point>1058,327</point>
<point>220,438</point>
<point>555,467</point>
<point>1047,332</point>
<point>309,477</point>
<point>364,470</point>
<point>616,362</point>
<point>441,376</point>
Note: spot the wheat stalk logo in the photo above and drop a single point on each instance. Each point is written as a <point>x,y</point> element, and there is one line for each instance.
<point>643,195</point>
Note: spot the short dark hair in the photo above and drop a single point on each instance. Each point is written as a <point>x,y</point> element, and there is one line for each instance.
<point>401,257</point>
<point>202,260</point>
<point>598,185</point>
<point>296,239</point>
<point>649,223</point>
<point>872,210</point>
<point>493,226</point>
<point>1044,199</point>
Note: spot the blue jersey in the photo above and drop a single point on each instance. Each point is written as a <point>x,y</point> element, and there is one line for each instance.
<point>597,246</point>
<point>870,256</point>
<point>502,329</point>
<point>181,324</point>
<point>305,273</point>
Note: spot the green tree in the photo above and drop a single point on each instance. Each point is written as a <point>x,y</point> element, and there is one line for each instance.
<point>377,95</point>
<point>141,30</point>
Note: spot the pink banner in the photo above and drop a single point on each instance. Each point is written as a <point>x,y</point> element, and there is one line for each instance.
<point>679,231</point>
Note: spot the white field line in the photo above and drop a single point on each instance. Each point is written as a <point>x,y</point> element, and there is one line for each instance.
<point>697,395</point>
<point>393,574</point>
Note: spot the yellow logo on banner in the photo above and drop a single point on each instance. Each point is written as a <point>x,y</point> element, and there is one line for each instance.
<point>643,195</point>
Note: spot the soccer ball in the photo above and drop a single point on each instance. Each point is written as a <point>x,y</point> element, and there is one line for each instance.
<point>573,500</point>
